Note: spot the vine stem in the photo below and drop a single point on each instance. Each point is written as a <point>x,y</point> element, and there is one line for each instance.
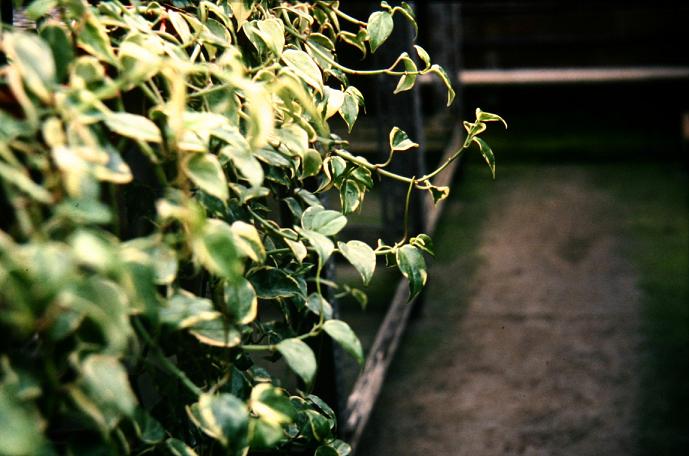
<point>389,71</point>
<point>162,359</point>
<point>407,203</point>
<point>345,16</point>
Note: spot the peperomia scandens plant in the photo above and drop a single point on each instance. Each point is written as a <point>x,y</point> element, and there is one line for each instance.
<point>161,167</point>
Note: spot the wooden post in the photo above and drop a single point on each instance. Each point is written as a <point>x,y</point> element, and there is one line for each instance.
<point>404,111</point>
<point>446,40</point>
<point>445,47</point>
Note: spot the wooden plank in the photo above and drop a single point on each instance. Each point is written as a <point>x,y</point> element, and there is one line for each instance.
<point>566,75</point>
<point>367,387</point>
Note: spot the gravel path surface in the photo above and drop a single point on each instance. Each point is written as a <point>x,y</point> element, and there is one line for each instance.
<point>543,358</point>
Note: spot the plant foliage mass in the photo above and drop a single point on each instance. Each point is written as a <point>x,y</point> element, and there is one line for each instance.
<point>162,167</point>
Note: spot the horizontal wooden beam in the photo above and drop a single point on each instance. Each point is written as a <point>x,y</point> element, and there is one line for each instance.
<point>524,76</point>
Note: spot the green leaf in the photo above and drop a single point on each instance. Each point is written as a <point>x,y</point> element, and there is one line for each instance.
<point>423,55</point>
<point>138,62</point>
<point>379,28</point>
<point>350,106</point>
<point>318,305</point>
<point>423,242</point>
<point>147,428</point>
<point>93,38</point>
<point>34,60</point>
<point>115,170</point>
<point>180,25</point>
<point>62,50</point>
<point>322,408</point>
<point>293,138</point>
<point>249,241</point>
<point>39,8</point>
<point>323,221</point>
<point>240,301</point>
<point>343,335</point>
<point>342,448</point>
<point>482,116</point>
<point>413,267</point>
<point>351,196</point>
<point>205,171</point>
<point>24,183</point>
<point>215,248</point>
<point>334,102</point>
<point>437,69</point>
<point>399,140</point>
<point>273,283</point>
<point>487,153</point>
<point>239,151</point>
<point>246,163</point>
<point>324,247</point>
<point>104,304</point>
<point>216,333</point>
<point>133,126</point>
<point>164,264</point>
<point>179,448</point>
<point>196,128</point>
<point>94,249</point>
<point>105,381</point>
<point>264,435</point>
<point>361,256</point>
<point>354,40</point>
<point>300,358</point>
<point>271,405</point>
<point>474,129</point>
<point>270,156</point>
<point>241,10</point>
<point>20,427</point>
<point>304,66</point>
<point>407,81</point>
<point>317,427</point>
<point>225,418</point>
<point>273,34</point>
<point>311,163</point>
<point>139,282</point>
<point>184,310</point>
<point>260,106</point>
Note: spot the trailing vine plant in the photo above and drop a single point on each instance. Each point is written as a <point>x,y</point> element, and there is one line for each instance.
<point>162,233</point>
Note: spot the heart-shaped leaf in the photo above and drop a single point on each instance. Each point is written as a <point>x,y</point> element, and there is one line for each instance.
<point>413,267</point>
<point>324,221</point>
<point>240,301</point>
<point>205,171</point>
<point>299,357</point>
<point>361,256</point>
<point>133,126</point>
<point>343,335</point>
<point>379,28</point>
<point>399,140</point>
<point>304,66</point>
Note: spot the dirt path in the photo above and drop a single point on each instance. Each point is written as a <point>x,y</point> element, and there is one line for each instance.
<point>542,361</point>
